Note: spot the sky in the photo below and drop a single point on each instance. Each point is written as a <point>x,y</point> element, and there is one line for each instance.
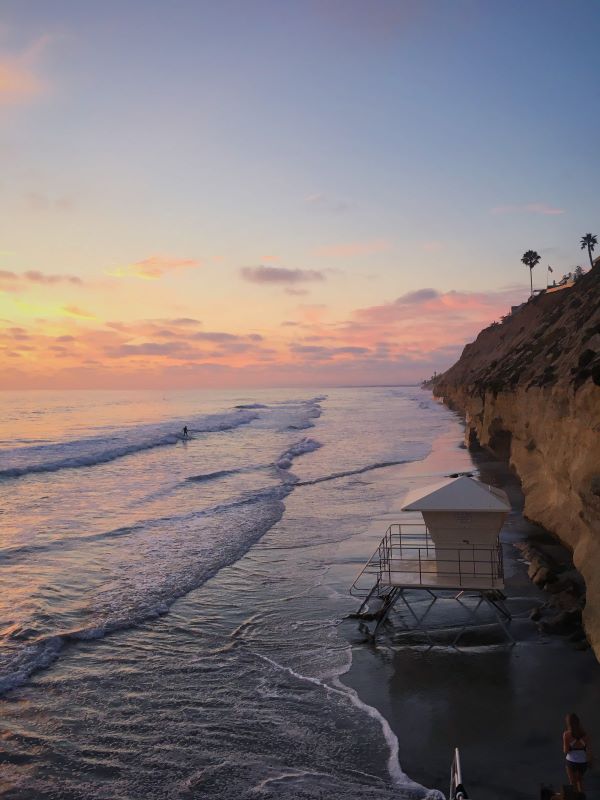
<point>265,193</point>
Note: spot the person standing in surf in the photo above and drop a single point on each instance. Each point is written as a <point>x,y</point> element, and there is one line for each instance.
<point>185,432</point>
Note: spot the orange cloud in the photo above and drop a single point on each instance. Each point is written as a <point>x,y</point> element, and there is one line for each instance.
<point>75,311</point>
<point>154,267</point>
<point>400,341</point>
<point>19,81</point>
<point>16,83</point>
<point>351,249</point>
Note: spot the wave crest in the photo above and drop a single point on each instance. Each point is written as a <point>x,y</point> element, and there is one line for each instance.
<point>102,449</point>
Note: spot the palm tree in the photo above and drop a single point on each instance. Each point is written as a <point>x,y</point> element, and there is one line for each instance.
<point>531,259</point>
<point>590,241</point>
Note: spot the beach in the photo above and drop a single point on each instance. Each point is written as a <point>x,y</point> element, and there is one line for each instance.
<point>503,706</point>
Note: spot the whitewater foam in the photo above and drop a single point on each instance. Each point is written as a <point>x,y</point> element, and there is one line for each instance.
<point>398,777</point>
<point>96,450</point>
<point>284,462</point>
<point>138,596</point>
<point>114,547</point>
<point>347,473</point>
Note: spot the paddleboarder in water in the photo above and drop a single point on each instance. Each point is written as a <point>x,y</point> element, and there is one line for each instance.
<point>185,432</point>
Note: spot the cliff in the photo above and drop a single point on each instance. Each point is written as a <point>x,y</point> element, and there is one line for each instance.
<point>530,391</point>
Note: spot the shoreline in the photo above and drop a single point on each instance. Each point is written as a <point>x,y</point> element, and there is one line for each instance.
<point>508,701</point>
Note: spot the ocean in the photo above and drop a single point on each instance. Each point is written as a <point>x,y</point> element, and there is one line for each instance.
<point>172,610</point>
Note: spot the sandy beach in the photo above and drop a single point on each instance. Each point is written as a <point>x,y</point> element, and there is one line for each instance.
<point>503,706</point>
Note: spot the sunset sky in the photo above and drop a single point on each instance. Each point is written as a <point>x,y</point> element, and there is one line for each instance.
<point>306,192</point>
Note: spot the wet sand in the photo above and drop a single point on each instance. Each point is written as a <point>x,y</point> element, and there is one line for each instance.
<point>503,705</point>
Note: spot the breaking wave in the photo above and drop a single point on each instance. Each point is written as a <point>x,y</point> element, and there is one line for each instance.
<point>102,449</point>
<point>369,468</point>
<point>300,448</point>
<point>212,476</point>
<point>148,590</point>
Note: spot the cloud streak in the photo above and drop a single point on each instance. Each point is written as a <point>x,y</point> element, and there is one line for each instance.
<point>75,311</point>
<point>529,208</point>
<point>353,249</point>
<point>154,267</point>
<point>13,281</point>
<point>280,275</point>
<point>323,202</point>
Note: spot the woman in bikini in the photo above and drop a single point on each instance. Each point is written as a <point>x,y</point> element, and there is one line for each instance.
<point>576,747</point>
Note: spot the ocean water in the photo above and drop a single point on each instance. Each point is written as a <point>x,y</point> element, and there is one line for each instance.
<point>170,609</point>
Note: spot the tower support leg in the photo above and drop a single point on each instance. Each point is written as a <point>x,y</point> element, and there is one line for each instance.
<point>495,601</point>
<point>365,602</point>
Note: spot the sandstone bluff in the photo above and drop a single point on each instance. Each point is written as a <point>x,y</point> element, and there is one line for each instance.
<point>529,389</point>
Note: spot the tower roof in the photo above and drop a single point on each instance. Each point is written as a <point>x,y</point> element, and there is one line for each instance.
<point>458,494</point>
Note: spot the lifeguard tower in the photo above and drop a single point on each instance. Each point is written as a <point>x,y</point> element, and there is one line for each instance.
<point>453,549</point>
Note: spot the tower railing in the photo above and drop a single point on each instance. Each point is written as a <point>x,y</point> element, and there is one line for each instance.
<point>408,556</point>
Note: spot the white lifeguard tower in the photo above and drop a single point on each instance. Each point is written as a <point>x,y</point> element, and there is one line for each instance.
<point>454,547</point>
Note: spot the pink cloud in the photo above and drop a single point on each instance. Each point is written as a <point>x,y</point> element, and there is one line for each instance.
<point>427,303</point>
<point>351,249</point>
<point>184,321</point>
<point>215,336</point>
<point>529,208</point>
<point>422,322</point>
<point>402,340</point>
<point>75,311</point>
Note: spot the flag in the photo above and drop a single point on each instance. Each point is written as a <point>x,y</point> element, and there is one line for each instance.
<point>550,269</point>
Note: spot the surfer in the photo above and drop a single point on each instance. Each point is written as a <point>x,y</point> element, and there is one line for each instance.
<point>185,432</point>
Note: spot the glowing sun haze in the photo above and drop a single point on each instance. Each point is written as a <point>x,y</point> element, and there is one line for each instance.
<point>261,193</point>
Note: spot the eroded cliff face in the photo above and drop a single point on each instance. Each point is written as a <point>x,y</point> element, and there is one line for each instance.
<point>530,391</point>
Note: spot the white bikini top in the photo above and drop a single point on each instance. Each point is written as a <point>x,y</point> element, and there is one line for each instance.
<point>576,752</point>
